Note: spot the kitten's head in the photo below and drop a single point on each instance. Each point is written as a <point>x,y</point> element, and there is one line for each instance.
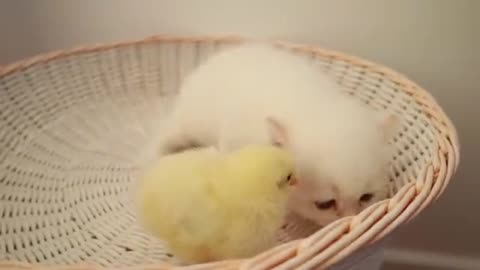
<point>342,166</point>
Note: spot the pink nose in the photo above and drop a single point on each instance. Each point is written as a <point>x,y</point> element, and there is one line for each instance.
<point>348,212</point>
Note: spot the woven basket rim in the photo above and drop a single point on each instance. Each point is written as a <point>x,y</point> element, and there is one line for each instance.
<point>392,74</point>
<point>390,213</point>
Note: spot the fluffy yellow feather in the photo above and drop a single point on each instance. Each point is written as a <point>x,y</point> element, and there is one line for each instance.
<point>209,206</point>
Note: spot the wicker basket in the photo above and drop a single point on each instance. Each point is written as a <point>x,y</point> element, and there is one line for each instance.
<point>72,123</point>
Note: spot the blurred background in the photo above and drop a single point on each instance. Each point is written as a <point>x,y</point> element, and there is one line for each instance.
<point>434,42</point>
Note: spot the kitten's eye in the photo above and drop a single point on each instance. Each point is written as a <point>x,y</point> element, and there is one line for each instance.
<point>366,197</point>
<point>326,204</point>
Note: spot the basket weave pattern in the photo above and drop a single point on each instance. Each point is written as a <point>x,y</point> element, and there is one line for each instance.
<point>72,123</point>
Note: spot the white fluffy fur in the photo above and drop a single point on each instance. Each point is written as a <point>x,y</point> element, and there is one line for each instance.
<point>256,93</point>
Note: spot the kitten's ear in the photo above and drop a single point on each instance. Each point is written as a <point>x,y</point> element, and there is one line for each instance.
<point>389,124</point>
<point>277,132</point>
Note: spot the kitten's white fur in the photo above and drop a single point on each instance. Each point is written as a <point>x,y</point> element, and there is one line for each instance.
<point>255,93</point>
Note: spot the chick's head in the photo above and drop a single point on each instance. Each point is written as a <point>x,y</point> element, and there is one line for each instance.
<point>260,172</point>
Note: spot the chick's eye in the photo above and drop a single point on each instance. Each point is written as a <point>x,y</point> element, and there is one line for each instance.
<point>366,197</point>
<point>325,204</point>
<point>291,180</point>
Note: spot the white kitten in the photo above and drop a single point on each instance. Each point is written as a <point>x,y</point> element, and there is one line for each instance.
<point>256,93</point>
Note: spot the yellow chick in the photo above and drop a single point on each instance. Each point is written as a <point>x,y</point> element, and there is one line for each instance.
<point>209,206</point>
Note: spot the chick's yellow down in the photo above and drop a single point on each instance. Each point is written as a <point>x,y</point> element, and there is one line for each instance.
<point>209,206</point>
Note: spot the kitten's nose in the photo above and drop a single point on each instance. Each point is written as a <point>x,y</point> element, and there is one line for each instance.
<point>349,211</point>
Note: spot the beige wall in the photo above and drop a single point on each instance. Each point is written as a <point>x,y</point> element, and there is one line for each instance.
<point>432,41</point>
